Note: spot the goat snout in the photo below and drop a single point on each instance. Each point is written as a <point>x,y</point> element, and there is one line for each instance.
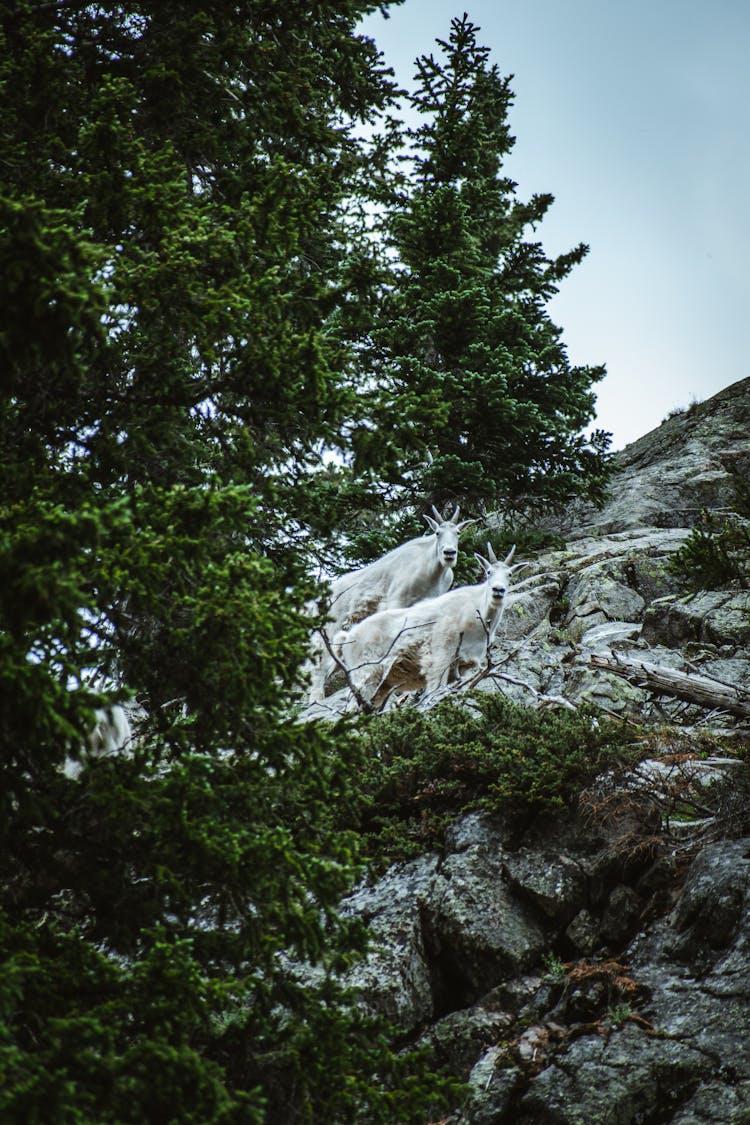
<point>498,592</point>
<point>449,554</point>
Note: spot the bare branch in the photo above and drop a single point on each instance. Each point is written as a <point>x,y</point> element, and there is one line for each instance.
<point>361,701</point>
<point>386,654</point>
<point>364,704</point>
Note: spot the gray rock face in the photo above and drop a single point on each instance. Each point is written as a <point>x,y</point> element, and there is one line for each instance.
<point>714,617</point>
<point>597,596</point>
<point>611,589</point>
<point>598,973</point>
<point>479,932</point>
<point>716,1103</point>
<point>621,915</point>
<point>620,1080</point>
<point>460,1038</point>
<point>713,911</point>
<point>607,587</point>
<point>615,594</point>
<point>584,933</point>
<point>395,978</point>
<point>492,1086</point>
<point>649,1021</point>
<point>666,478</point>
<point>679,1053</point>
<point>448,931</point>
<point>444,932</point>
<point>551,881</point>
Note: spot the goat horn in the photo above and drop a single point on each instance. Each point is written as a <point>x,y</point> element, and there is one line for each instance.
<point>510,554</point>
<point>438,517</point>
<point>456,514</point>
<point>490,553</point>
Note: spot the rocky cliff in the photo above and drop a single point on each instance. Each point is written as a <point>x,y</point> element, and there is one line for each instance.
<point>609,597</point>
<point>667,477</point>
<point>594,966</point>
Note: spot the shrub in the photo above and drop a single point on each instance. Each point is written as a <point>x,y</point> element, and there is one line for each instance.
<point>716,553</point>
<point>418,770</point>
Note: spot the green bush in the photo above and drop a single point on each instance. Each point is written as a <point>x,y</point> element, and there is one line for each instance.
<point>418,770</point>
<point>717,551</point>
<point>715,554</point>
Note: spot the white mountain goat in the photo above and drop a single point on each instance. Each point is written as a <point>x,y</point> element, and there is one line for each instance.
<point>421,568</point>
<point>427,644</point>
<point>110,735</point>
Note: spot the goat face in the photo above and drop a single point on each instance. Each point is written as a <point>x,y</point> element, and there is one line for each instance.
<point>447,532</point>
<point>498,583</point>
<point>496,575</point>
<point>447,544</point>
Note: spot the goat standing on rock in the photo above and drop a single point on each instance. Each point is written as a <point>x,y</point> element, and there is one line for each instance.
<point>421,568</point>
<point>427,644</point>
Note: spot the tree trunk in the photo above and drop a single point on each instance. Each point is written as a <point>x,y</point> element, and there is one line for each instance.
<point>702,690</point>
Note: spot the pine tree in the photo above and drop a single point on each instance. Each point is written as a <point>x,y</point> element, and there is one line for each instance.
<point>175,190</point>
<point>189,283</point>
<point>476,369</point>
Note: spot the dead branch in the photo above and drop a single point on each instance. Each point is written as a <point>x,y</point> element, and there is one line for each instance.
<point>367,706</point>
<point>363,703</point>
<point>702,690</point>
<point>488,671</point>
<point>386,654</point>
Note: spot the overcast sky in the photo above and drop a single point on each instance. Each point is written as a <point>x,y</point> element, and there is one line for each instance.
<point>636,117</point>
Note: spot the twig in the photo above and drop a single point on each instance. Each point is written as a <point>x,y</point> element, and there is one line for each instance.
<point>367,706</point>
<point>363,703</point>
<point>373,663</point>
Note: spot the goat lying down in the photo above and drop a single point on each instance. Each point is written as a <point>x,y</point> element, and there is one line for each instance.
<point>430,643</point>
<point>420,568</point>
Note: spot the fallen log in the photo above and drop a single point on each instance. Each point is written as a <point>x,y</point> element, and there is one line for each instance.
<point>703,690</point>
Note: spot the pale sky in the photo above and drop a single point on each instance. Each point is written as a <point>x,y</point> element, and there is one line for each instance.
<point>636,117</point>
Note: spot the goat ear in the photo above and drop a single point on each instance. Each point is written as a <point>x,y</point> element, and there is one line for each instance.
<point>485,565</point>
<point>465,523</point>
<point>520,566</point>
<point>510,555</point>
<point>432,523</point>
